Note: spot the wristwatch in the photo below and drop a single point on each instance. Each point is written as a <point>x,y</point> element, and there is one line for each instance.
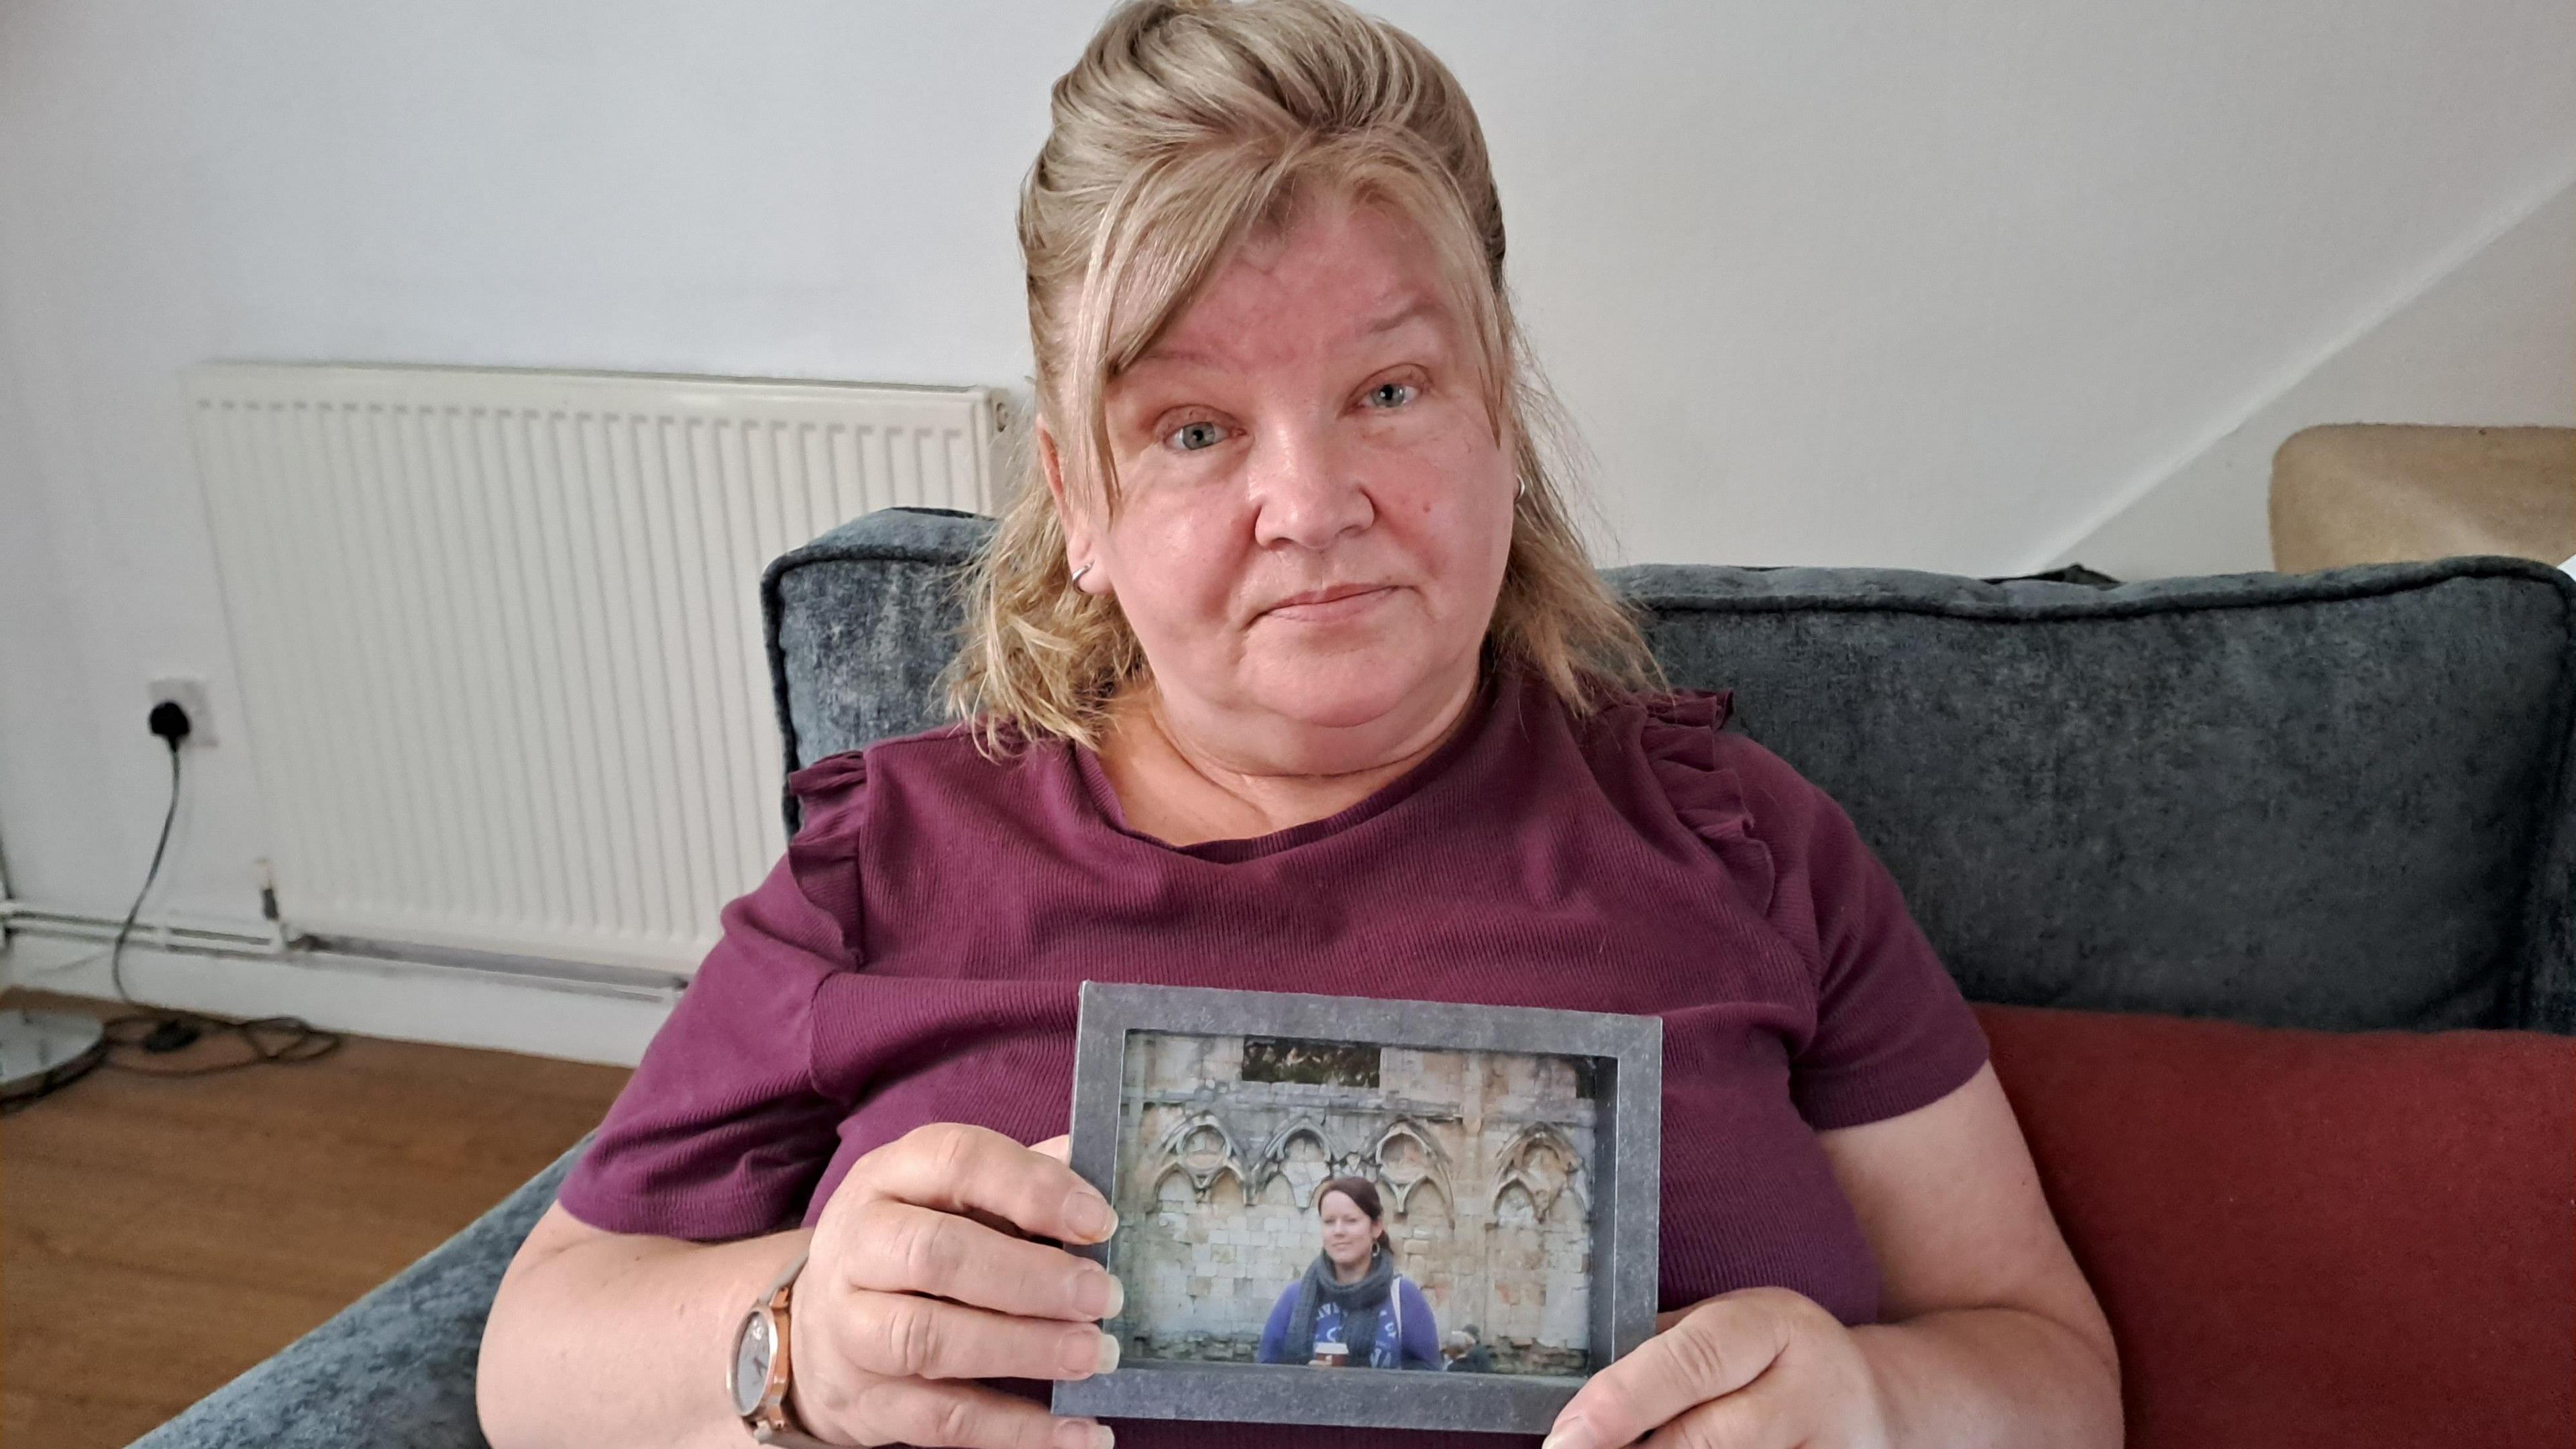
<point>757,1375</point>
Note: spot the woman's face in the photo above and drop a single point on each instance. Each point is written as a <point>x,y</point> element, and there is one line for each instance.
<point>1316,511</point>
<point>1349,1236</point>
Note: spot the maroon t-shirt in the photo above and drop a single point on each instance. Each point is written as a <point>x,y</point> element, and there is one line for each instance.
<point>915,958</point>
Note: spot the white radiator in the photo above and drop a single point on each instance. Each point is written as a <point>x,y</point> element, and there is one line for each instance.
<point>498,633</point>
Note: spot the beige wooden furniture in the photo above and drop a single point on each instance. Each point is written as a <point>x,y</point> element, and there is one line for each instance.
<point>2378,493</point>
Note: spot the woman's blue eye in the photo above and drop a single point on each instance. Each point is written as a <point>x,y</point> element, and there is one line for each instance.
<point>1391,394</point>
<point>1190,437</point>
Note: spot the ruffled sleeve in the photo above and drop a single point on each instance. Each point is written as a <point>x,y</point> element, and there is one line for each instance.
<point>1890,1031</point>
<point>1681,742</point>
<point>723,1132</point>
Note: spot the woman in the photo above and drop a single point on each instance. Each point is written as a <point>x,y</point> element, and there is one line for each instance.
<point>1351,1293</point>
<point>1290,660</point>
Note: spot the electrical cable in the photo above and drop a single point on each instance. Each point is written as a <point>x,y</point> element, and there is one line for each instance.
<point>159,1030</point>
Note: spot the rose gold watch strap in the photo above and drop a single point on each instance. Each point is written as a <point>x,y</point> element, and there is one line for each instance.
<point>786,1436</point>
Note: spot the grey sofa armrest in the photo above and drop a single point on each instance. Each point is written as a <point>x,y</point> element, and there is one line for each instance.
<point>394,1370</point>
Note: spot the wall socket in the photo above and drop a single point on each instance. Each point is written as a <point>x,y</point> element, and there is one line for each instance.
<point>190,695</point>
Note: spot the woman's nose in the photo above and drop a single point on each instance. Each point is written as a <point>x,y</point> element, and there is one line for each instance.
<point>1306,490</point>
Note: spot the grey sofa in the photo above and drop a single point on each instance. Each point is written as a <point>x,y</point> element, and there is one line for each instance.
<point>2340,800</point>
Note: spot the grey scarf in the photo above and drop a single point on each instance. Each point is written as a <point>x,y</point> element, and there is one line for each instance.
<point>1360,1302</point>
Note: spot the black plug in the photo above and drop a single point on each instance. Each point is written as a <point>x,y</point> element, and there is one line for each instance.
<point>170,722</point>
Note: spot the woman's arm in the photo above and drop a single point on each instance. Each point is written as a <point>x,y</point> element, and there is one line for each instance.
<point>611,1338</point>
<point>1277,1328</point>
<point>1990,1333</point>
<point>1992,1336</point>
<point>1421,1343</point>
<point>928,1275</point>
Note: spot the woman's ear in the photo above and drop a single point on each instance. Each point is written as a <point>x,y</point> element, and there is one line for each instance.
<point>1052,462</point>
<point>1070,520</point>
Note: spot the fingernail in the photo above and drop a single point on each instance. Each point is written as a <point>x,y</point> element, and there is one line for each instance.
<point>1082,1434</point>
<point>1090,1214</point>
<point>1099,1294</point>
<point>1095,1354</point>
<point>1572,1434</point>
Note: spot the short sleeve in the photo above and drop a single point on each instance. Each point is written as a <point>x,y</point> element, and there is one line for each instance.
<point>1421,1342</point>
<point>1892,1033</point>
<point>1275,1332</point>
<point>722,1132</point>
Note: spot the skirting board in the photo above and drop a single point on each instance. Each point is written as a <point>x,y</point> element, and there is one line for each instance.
<point>405,1000</point>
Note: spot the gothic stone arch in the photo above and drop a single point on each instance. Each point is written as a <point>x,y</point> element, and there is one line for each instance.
<point>1406,1156</point>
<point>1544,1165</point>
<point>1201,1148</point>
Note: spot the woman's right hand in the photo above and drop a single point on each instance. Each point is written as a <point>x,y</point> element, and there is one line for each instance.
<point>878,1358</point>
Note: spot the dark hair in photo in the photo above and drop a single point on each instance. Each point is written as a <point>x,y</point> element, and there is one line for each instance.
<point>1361,1192</point>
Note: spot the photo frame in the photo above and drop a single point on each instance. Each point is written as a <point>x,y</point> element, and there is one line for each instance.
<point>1184,1058</point>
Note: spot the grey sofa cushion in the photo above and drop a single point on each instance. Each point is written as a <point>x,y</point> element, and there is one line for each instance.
<point>2337,800</point>
<point>860,623</point>
<point>394,1370</point>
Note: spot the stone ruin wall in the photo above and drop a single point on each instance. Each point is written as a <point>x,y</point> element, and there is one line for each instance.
<point>1481,1160</point>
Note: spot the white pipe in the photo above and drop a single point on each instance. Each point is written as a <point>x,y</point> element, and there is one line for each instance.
<point>203,941</point>
<point>163,934</point>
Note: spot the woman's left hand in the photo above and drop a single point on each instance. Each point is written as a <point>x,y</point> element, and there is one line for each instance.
<point>1752,1369</point>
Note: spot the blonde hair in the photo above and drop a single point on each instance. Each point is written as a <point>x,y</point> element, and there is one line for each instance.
<point>1186,126</point>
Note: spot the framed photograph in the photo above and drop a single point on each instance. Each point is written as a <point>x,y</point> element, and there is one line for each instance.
<point>1342,1210</point>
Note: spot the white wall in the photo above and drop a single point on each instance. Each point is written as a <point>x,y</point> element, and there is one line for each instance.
<point>2490,340</point>
<point>1889,283</point>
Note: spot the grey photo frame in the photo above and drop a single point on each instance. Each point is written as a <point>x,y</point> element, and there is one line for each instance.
<point>1626,1173</point>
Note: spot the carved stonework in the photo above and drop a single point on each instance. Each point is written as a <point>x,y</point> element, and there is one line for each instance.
<point>1406,1156</point>
<point>1304,1162</point>
<point>1201,1149</point>
<point>1545,1166</point>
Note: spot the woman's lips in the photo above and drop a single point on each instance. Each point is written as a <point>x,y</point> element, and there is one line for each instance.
<point>1327,606</point>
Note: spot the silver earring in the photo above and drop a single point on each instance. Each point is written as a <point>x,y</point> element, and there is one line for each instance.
<point>1523,491</point>
<point>1076,580</point>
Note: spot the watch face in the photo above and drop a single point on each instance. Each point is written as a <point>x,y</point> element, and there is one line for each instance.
<point>751,1357</point>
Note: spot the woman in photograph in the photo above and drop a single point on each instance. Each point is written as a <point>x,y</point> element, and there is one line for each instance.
<point>1286,665</point>
<point>1351,1294</point>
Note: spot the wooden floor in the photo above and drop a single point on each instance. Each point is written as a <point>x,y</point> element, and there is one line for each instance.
<point>159,1237</point>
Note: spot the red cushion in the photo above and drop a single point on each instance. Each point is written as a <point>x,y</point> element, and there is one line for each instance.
<point>2310,1237</point>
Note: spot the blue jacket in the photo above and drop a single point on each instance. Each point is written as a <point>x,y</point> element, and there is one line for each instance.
<point>1420,1347</point>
